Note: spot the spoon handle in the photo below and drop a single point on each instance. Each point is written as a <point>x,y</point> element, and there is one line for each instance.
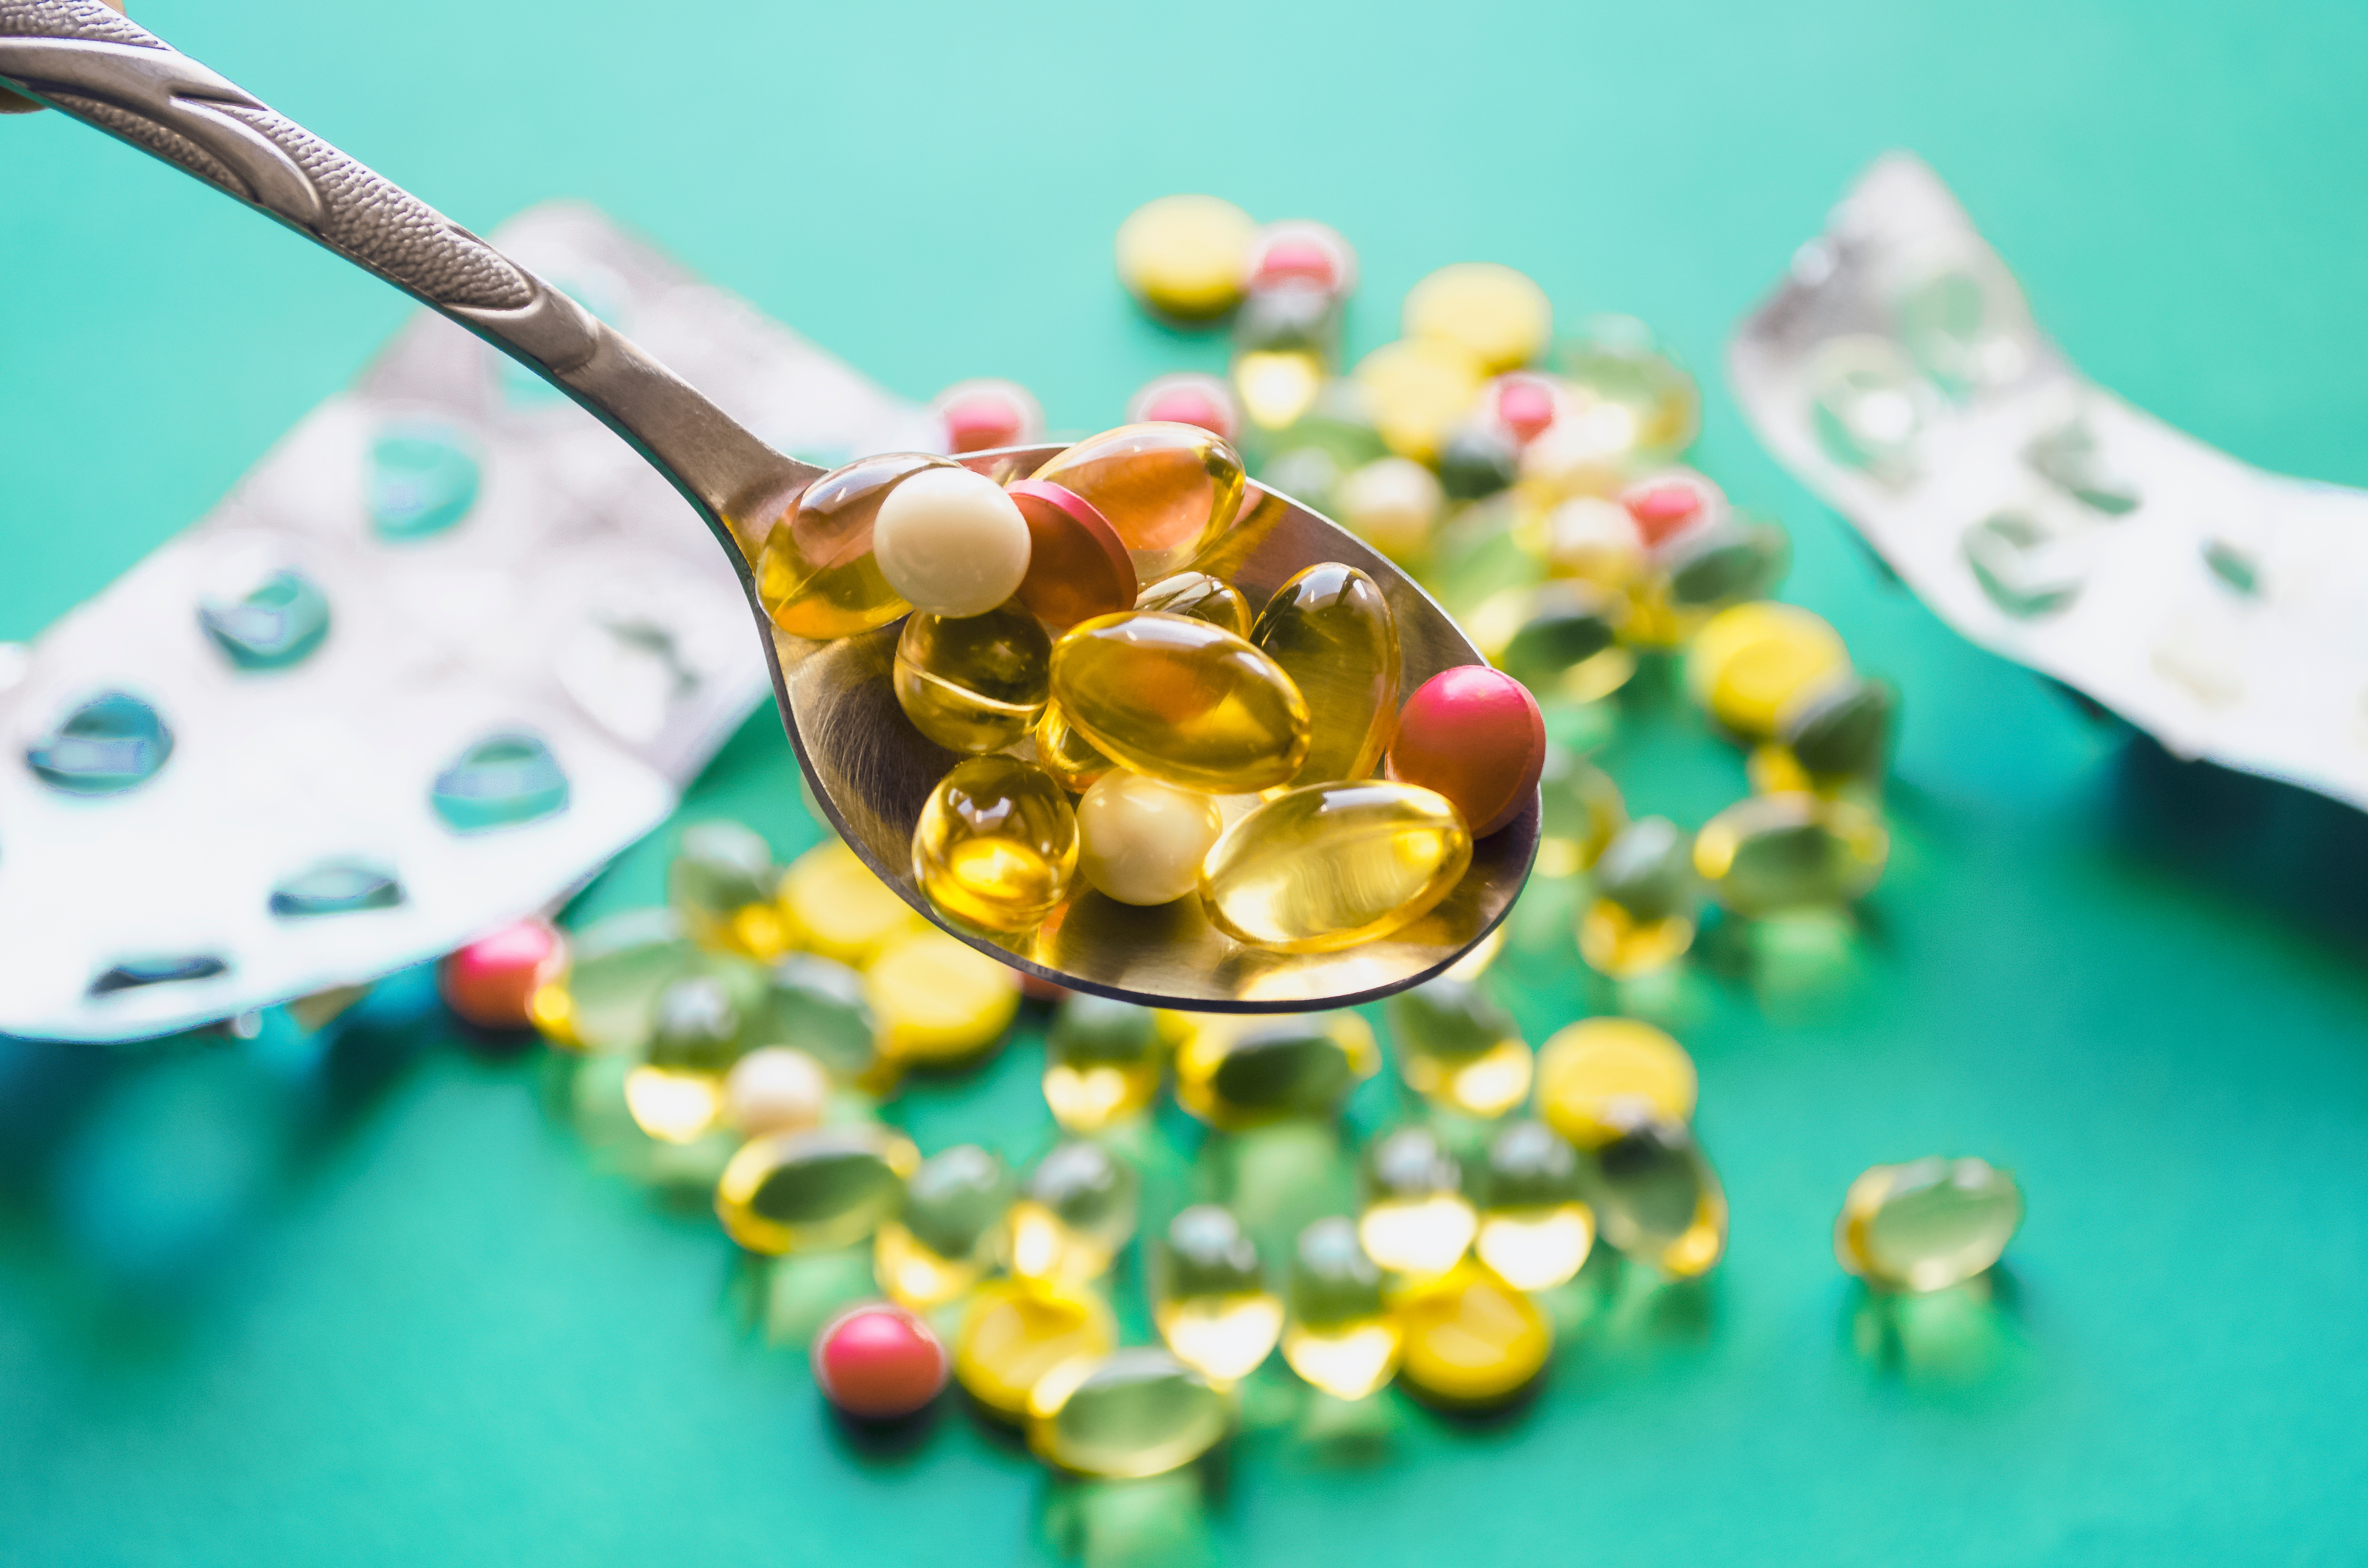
<point>82,58</point>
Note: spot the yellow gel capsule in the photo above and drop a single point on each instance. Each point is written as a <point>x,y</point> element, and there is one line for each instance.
<point>1615,940</point>
<point>674,1107</point>
<point>1655,1196</point>
<point>1278,385</point>
<point>1235,1072</point>
<point>1458,1048</point>
<point>1213,1309</point>
<point>1076,1212</point>
<point>1470,1338</point>
<point>807,1191</point>
<point>1646,894</point>
<point>1166,490</point>
<point>1415,1219</point>
<point>1182,700</point>
<point>837,907</point>
<point>1596,1076</point>
<point>721,882</point>
<point>1772,854</point>
<point>816,575</point>
<point>945,1235</point>
<point>1201,597</point>
<point>1330,866</point>
<point>1421,389</point>
<point>1186,256</point>
<point>1751,661</point>
<point>1625,385</point>
<point>975,683</point>
<point>1928,1225</point>
<point>996,846</point>
<point>1581,812</point>
<point>1134,1414</point>
<point>938,999</point>
<point>1497,314</point>
<point>1331,630</point>
<point>1535,1227</point>
<point>1015,1334</point>
<point>1338,1335</point>
<point>1067,755</point>
<point>1102,1061</point>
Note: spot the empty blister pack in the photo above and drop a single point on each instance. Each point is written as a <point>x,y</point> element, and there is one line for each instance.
<point>446,650</point>
<point>1897,371</point>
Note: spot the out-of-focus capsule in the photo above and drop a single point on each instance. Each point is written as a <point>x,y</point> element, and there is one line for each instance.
<point>950,542</point>
<point>1420,388</point>
<point>1725,563</point>
<point>1073,761</point>
<point>1215,1309</point>
<point>879,1362</point>
<point>721,882</point>
<point>1498,315</point>
<point>816,575</point>
<point>1181,699</point>
<point>1076,1210</point>
<point>1623,380</point>
<point>996,846</point>
<point>1184,255</point>
<point>1078,566</point>
<point>987,413</point>
<point>976,683</point>
<point>493,981</point>
<point>1187,397</point>
<point>839,908</point>
<point>677,1092</point>
<point>1535,1227</point>
<point>1567,642</point>
<point>1415,1220</point>
<point>1645,896</point>
<point>1391,503</point>
<point>1522,404</point>
<point>938,999</point>
<point>1285,343</point>
<point>1753,662</point>
<point>1472,1339</point>
<point>946,1236</point>
<point>1016,1335</point>
<point>1476,462</point>
<point>605,1002</point>
<point>1236,1071</point>
<point>774,1088</point>
<point>1864,407</point>
<point>1330,629</point>
<point>1201,597</point>
<point>1598,1075</point>
<point>1835,738</point>
<point>1655,1196</point>
<point>1581,814</point>
<point>1928,1225</point>
<point>1593,539</point>
<point>1168,490</point>
<point>1101,1063</point>
<point>1458,1048</point>
<point>1672,503</point>
<point>1774,853</point>
<point>1338,1335</point>
<point>808,1191</point>
<point>1297,250</point>
<point>1133,1414</point>
<point>820,1003</point>
<point>1329,865</point>
<point>1142,841</point>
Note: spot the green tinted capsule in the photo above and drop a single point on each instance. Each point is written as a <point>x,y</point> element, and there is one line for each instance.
<point>1077,1210</point>
<point>819,1005</point>
<point>1457,1048</point>
<point>1478,463</point>
<point>813,1191</point>
<point>1772,854</point>
<point>617,969</point>
<point>1535,1227</point>
<point>1338,1335</point>
<point>1569,623</point>
<point>1233,1072</point>
<point>1581,814</point>
<point>1134,1414</point>
<point>1214,1308</point>
<point>1101,1062</point>
<point>1843,733</point>
<point>721,882</point>
<point>1657,1198</point>
<point>1415,1219</point>
<point>943,1239</point>
<point>697,1025</point>
<point>1331,629</point>
<point>1928,1225</point>
<point>1728,564</point>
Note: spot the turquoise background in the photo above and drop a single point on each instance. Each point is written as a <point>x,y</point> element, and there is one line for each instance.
<point>420,1328</point>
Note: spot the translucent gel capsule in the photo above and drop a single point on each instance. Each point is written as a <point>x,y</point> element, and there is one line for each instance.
<point>1077,1210</point>
<point>1168,490</point>
<point>1928,1225</point>
<point>976,683</point>
<point>1458,1048</point>
<point>675,1094</point>
<point>1237,1072</point>
<point>816,575</point>
<point>1338,1335</point>
<point>1774,853</point>
<point>1415,1220</point>
<point>839,908</point>
<point>1285,343</point>
<point>812,1191</point>
<point>820,1003</point>
<point>1329,865</point>
<point>1015,1334</point>
<point>1331,630</point>
<point>1753,661</point>
<point>1472,1338</point>
<point>1215,1309</point>
<point>1643,915</point>
<point>1101,1063</point>
<point>1133,1414</point>
<point>1202,597</point>
<point>1840,735</point>
<point>1581,813</point>
<point>938,999</point>
<point>1627,387</point>
<point>996,844</point>
<point>1564,637</point>
<point>721,882</point>
<point>1182,700</point>
<point>1723,563</point>
<point>946,1235</point>
<point>1535,1227</point>
<point>1068,756</point>
<point>604,1003</point>
<point>1655,1196</point>
<point>1598,1075</point>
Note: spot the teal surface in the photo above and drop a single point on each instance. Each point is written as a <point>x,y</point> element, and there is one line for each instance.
<point>421,1328</point>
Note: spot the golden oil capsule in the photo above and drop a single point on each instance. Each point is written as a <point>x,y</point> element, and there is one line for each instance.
<point>1329,865</point>
<point>816,575</point>
<point>811,1191</point>
<point>975,683</point>
<point>1338,1335</point>
<point>948,1232</point>
<point>1076,1211</point>
<point>1597,1075</point>
<point>1215,1309</point>
<point>1458,1048</point>
<point>1647,895</point>
<point>1655,1196</point>
<point>1535,1227</point>
<point>938,999</point>
<point>1073,761</point>
<point>721,882</point>
<point>1331,630</point>
<point>1235,1070</point>
<point>1201,597</point>
<point>1470,1338</point>
<point>1016,1334</point>
<point>1750,663</point>
<point>839,907</point>
<point>1182,700</point>
<point>1415,1220</point>
<point>996,846</point>
<point>1167,490</point>
<point>1928,1225</point>
<point>1133,1414</point>
<point>1101,1063</point>
<point>1772,854</point>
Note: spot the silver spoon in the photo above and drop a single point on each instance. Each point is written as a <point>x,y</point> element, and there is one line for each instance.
<point>869,768</point>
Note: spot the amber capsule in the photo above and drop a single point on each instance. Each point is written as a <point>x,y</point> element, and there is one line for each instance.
<point>1597,1075</point>
<point>721,882</point>
<point>1770,854</point>
<point>1535,1227</point>
<point>1236,1071</point>
<point>811,1191</point>
<point>1331,630</point>
<point>1215,1309</point>
<point>1168,490</point>
<point>976,683</point>
<point>1338,1335</point>
<point>1201,597</point>
<point>1456,1048</point>
<point>1077,1210</point>
<point>1182,700</point>
<point>1016,1334</point>
<point>996,844</point>
<point>816,575</point>
<point>1329,865</point>
<point>1472,1338</point>
<point>1928,1225</point>
<point>948,1230</point>
<point>1415,1220</point>
<point>1067,755</point>
<point>1642,916</point>
<point>1655,1196</point>
<point>1101,1063</point>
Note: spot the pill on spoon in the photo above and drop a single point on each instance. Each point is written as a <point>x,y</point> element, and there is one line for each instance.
<point>1141,841</point>
<point>950,542</point>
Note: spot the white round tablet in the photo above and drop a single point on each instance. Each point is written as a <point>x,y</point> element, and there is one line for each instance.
<point>951,541</point>
<point>1142,841</point>
<point>775,1088</point>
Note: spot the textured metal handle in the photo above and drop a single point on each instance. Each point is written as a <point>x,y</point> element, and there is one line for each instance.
<point>82,58</point>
